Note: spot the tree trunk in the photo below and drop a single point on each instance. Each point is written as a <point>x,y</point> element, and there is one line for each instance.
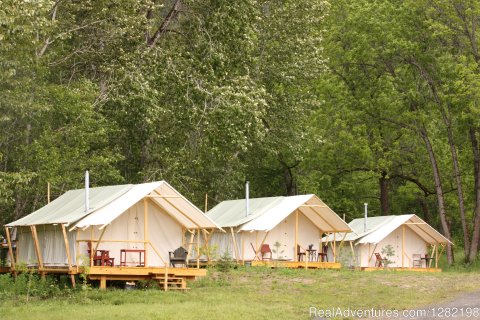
<point>384,204</point>
<point>290,183</point>
<point>458,180</point>
<point>476,222</point>
<point>427,217</point>
<point>439,191</point>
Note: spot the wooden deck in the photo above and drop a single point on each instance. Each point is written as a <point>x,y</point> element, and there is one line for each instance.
<point>297,264</point>
<point>368,269</point>
<point>168,278</point>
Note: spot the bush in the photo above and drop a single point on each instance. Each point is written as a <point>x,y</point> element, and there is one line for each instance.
<point>225,263</point>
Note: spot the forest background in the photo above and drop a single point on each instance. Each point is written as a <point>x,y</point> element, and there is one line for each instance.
<point>355,101</point>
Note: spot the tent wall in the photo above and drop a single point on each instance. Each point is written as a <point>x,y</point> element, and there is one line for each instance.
<point>51,244</point>
<point>283,234</point>
<point>164,233</point>
<point>413,245</point>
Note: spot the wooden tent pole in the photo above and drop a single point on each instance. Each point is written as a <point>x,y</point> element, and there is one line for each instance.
<point>403,246</point>
<point>48,192</point>
<point>261,244</point>
<point>234,244</point>
<point>69,257</point>
<point>158,254</point>
<point>353,253</point>
<point>77,250</point>
<point>99,240</point>
<point>335,247</point>
<point>183,237</point>
<point>10,249</point>
<point>243,249</point>
<point>374,248</point>
<point>198,248</point>
<point>92,252</point>
<point>295,248</point>
<point>145,231</point>
<point>341,242</point>
<point>189,249</point>
<point>67,247</point>
<point>206,239</point>
<point>37,247</point>
<point>436,257</point>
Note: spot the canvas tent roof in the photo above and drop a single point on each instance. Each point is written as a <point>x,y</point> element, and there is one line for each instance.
<point>378,228</point>
<point>107,203</point>
<point>266,213</point>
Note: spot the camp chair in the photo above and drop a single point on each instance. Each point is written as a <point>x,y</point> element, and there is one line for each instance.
<point>417,260</point>
<point>380,261</point>
<point>264,250</point>
<point>300,253</point>
<point>179,256</point>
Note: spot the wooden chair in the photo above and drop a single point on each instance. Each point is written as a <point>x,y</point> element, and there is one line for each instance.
<point>100,257</point>
<point>379,262</point>
<point>265,248</point>
<point>179,256</point>
<point>300,254</point>
<point>417,260</point>
<point>323,256</point>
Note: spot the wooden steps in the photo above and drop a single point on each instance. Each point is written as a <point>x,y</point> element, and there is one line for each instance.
<point>171,282</point>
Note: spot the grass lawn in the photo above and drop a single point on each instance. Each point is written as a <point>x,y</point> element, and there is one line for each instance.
<point>259,293</point>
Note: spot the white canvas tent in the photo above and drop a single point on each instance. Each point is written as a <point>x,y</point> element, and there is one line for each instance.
<point>150,216</point>
<point>404,235</point>
<point>281,222</point>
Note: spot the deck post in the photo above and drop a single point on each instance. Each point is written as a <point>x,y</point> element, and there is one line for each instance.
<point>295,248</point>
<point>10,249</point>
<point>145,231</point>
<point>403,246</point>
<point>103,282</point>
<point>37,247</point>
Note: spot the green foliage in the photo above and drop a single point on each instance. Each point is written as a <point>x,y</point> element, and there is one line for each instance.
<point>225,263</point>
<point>387,253</point>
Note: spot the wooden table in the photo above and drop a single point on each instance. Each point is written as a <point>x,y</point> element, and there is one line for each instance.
<point>123,257</point>
<point>427,261</point>
<point>312,255</point>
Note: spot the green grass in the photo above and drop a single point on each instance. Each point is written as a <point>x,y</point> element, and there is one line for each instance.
<point>259,293</point>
